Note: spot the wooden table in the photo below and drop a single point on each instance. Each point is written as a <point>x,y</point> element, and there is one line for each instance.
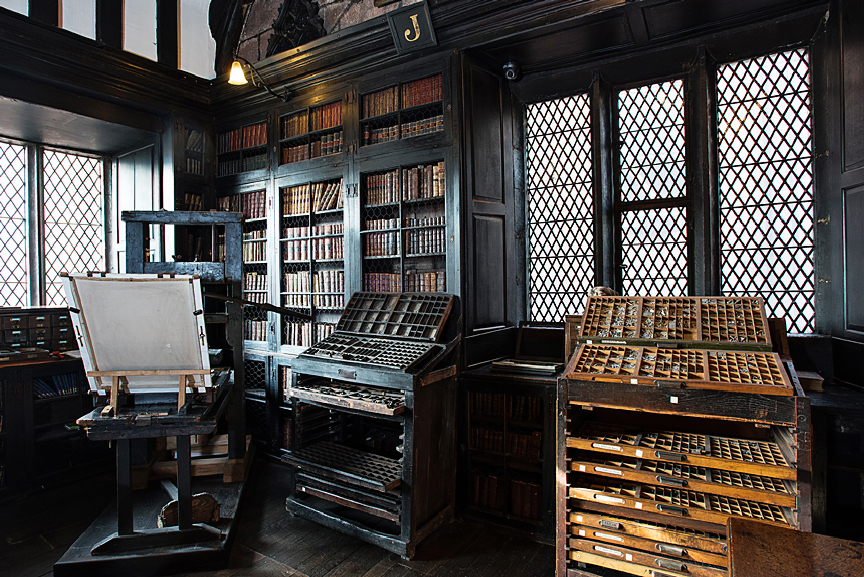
<point>761,550</point>
<point>160,419</point>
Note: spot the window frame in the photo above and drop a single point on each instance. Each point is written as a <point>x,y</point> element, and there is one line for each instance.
<point>35,217</point>
<point>697,68</point>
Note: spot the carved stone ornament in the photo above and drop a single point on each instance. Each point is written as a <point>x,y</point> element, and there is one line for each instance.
<point>297,23</point>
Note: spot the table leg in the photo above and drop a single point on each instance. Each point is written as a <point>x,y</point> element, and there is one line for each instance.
<point>184,481</point>
<point>124,487</point>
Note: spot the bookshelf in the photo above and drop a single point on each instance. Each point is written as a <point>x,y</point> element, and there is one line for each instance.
<point>312,253</point>
<point>243,149</point>
<point>311,133</point>
<point>402,111</point>
<point>2,436</point>
<point>507,428</point>
<point>403,229</point>
<point>193,152</point>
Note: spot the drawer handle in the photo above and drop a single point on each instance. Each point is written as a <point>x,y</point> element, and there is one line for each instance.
<point>671,550</point>
<point>667,456</point>
<point>674,510</point>
<point>670,565</point>
<point>671,481</point>
<point>346,374</point>
<point>607,524</point>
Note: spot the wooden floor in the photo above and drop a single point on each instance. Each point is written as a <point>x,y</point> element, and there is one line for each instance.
<point>36,530</point>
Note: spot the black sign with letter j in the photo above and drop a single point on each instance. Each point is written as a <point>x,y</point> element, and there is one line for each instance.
<point>411,27</point>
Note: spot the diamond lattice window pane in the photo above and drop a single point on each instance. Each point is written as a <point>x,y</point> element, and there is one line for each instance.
<point>654,252</point>
<point>651,142</point>
<point>560,205</point>
<point>766,184</point>
<point>73,219</point>
<point>13,225</point>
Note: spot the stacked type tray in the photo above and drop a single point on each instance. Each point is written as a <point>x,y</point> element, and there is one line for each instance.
<point>688,322</point>
<point>643,500</point>
<point>718,343</point>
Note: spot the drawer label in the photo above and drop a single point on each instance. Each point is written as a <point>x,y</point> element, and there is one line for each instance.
<point>607,536</point>
<point>607,550</point>
<point>606,470</point>
<point>606,447</point>
<point>606,499</point>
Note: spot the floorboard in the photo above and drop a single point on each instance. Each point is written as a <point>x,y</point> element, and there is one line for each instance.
<point>38,528</point>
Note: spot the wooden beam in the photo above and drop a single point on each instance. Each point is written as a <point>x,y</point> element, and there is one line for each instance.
<point>168,32</point>
<point>109,23</point>
<point>45,11</point>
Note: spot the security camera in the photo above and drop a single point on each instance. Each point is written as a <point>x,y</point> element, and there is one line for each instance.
<point>512,71</point>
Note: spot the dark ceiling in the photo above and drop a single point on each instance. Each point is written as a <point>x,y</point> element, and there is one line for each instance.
<point>50,126</point>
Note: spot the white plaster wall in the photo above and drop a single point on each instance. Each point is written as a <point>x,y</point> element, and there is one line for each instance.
<point>139,27</point>
<point>79,16</point>
<point>197,47</point>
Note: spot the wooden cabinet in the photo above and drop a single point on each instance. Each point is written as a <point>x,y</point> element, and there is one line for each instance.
<point>649,476</point>
<point>39,440</point>
<point>507,457</point>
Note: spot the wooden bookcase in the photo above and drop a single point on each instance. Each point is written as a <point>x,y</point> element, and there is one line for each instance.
<point>507,458</point>
<point>315,181</point>
<point>41,444</point>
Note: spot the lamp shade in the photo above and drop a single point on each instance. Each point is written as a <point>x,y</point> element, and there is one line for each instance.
<point>237,76</point>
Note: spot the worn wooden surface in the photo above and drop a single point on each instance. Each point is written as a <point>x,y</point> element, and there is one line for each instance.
<point>762,550</point>
<point>35,532</point>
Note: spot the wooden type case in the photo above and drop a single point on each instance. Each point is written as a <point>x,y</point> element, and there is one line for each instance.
<point>381,365</point>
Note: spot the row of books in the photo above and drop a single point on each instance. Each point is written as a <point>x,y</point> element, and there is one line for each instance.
<point>229,203</point>
<point>488,404</point>
<point>324,146</point>
<point>380,135</point>
<point>437,220</point>
<point>244,137</point>
<point>254,204</point>
<point>381,102</point>
<point>425,282</point>
<point>423,126</point>
<point>316,248</point>
<point>419,182</point>
<point>487,490</point>
<point>422,91</point>
<point>382,223</point>
<point>255,235</point>
<point>190,202</point>
<point>194,140</point>
<point>318,230</point>
<point>526,499</point>
<point>301,283</point>
<point>382,282</point>
<point>525,445</point>
<point>525,408</point>
<point>255,251</point>
<point>233,166</point>
<point>252,281</point>
<point>326,116</point>
<point>58,386</point>
<point>255,330</point>
<point>320,196</point>
<point>300,334</point>
<point>260,298</point>
<point>194,165</point>
<point>381,244</point>
<point>487,439</point>
<point>426,241</point>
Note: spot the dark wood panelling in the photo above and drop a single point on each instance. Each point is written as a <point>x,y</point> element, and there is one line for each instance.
<point>109,23</point>
<point>852,46</point>
<point>45,11</point>
<point>681,16</point>
<point>485,127</point>
<point>168,33</point>
<point>853,217</point>
<point>489,294</point>
<point>602,36</point>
